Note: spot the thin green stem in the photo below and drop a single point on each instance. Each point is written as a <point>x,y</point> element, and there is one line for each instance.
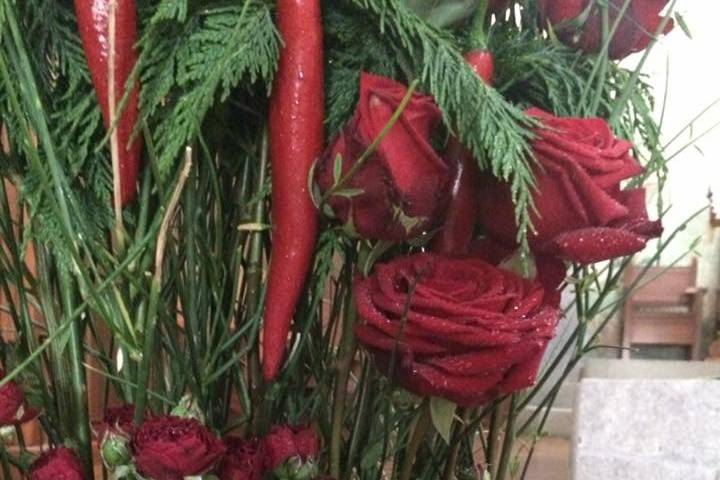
<point>455,445</point>
<point>77,375</point>
<point>253,277</point>
<point>422,425</point>
<point>346,353</point>
<point>493,437</point>
<point>508,441</point>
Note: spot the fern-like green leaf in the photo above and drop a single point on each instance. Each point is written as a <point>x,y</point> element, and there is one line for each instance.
<point>216,50</point>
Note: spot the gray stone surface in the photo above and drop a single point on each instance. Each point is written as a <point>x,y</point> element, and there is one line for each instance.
<point>655,369</point>
<point>647,429</point>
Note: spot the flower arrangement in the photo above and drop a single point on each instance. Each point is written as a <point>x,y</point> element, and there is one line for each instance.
<point>311,240</point>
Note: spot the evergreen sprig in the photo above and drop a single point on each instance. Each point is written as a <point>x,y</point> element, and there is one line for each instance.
<point>495,130</point>
<point>188,70</point>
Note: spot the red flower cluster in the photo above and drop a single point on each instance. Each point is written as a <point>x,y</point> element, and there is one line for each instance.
<point>461,329</point>
<point>400,190</point>
<point>57,464</point>
<point>170,448</point>
<point>251,459</point>
<point>578,23</point>
<point>582,214</point>
<point>13,408</point>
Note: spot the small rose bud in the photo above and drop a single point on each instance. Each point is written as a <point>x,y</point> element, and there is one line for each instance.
<point>115,451</point>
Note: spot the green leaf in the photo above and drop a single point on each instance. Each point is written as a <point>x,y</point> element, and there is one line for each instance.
<point>349,192</point>
<point>683,24</point>
<point>442,413</point>
<point>337,169</point>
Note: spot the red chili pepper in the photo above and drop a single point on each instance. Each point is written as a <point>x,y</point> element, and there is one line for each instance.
<point>456,235</point>
<point>296,140</point>
<point>93,20</point>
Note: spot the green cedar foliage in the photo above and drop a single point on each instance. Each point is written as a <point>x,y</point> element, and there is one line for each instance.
<point>190,64</point>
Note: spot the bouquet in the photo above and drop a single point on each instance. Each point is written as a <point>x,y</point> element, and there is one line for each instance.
<point>311,240</point>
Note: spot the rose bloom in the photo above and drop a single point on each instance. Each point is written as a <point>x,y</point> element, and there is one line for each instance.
<point>634,33</point>
<point>57,464</point>
<point>461,328</point>
<point>13,409</point>
<point>170,448</point>
<point>244,460</point>
<point>582,215</point>
<point>284,442</point>
<point>402,188</point>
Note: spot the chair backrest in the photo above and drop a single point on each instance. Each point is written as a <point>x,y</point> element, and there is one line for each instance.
<point>661,285</point>
<point>663,310</point>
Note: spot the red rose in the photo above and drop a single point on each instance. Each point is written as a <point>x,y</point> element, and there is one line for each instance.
<point>118,420</point>
<point>582,214</point>
<point>13,409</point>
<point>404,184</point>
<point>244,460</point>
<point>462,329</point>
<point>578,26</point>
<point>170,448</point>
<point>57,464</point>
<point>284,442</point>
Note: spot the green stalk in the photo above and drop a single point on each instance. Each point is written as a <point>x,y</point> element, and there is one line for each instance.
<point>454,455</point>
<point>362,410</point>
<point>191,272</point>
<point>5,462</point>
<point>629,87</point>
<point>508,441</point>
<point>77,374</point>
<point>253,276</point>
<point>150,327</point>
<point>493,437</point>
<point>346,352</point>
<point>422,425</point>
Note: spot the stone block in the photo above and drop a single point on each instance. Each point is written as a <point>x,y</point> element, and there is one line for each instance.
<point>647,429</point>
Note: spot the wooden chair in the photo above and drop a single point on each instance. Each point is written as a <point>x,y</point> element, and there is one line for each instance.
<point>665,309</point>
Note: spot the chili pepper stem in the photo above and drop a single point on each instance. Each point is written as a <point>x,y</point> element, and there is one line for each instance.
<point>477,35</point>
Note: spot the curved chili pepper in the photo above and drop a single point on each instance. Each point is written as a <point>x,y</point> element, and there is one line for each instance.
<point>456,235</point>
<point>94,25</point>
<point>296,140</point>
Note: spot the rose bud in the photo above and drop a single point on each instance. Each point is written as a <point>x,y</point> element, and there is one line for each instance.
<point>400,190</point>
<point>578,24</point>
<point>169,448</point>
<point>461,328</point>
<point>13,409</point>
<point>244,460</point>
<point>57,464</point>
<point>117,420</point>
<point>290,451</point>
<point>581,214</point>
